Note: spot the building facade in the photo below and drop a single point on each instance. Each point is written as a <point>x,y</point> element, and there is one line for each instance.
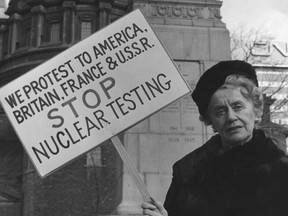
<point>271,64</point>
<point>270,60</point>
<point>98,183</point>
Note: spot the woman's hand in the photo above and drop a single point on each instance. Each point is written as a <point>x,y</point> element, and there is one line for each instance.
<point>154,208</point>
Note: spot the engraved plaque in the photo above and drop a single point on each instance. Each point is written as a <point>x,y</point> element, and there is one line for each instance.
<point>158,152</point>
<point>182,116</point>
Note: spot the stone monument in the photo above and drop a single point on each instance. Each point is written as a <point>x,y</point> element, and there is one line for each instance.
<point>196,38</point>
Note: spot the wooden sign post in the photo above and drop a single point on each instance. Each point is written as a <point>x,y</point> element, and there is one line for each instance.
<point>131,168</point>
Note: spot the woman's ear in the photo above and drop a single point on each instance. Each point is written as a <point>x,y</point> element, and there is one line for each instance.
<point>204,120</point>
<point>207,123</point>
<point>258,115</point>
<point>214,130</point>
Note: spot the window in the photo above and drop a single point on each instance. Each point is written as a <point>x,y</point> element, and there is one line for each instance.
<point>55,32</point>
<point>94,158</point>
<point>27,37</point>
<point>86,28</point>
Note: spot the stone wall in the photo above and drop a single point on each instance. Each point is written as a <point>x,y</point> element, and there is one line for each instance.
<point>76,189</point>
<point>11,158</point>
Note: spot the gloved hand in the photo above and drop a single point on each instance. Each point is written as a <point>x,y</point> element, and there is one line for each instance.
<point>154,208</point>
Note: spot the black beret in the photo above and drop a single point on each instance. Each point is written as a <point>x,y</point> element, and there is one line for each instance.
<point>215,77</point>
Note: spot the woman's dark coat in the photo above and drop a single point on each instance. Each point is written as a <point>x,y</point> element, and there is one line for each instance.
<point>248,180</point>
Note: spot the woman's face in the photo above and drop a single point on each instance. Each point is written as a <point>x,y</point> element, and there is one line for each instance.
<point>232,116</point>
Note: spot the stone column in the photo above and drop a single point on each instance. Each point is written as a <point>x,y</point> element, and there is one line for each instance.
<point>2,32</point>
<point>69,22</point>
<point>195,37</point>
<point>13,32</point>
<point>104,8</point>
<point>37,25</point>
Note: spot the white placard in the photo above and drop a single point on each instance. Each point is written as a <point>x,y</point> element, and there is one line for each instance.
<point>90,92</point>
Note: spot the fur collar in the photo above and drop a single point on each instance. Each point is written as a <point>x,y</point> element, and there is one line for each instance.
<point>259,150</point>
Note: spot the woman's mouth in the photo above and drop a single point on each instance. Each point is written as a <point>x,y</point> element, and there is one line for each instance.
<point>234,128</point>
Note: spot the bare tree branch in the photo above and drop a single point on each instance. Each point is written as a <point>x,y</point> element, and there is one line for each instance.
<point>246,43</point>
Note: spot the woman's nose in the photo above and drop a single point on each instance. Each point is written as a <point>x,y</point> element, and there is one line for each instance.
<point>231,115</point>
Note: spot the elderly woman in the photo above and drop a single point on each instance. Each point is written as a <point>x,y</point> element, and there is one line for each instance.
<point>239,171</point>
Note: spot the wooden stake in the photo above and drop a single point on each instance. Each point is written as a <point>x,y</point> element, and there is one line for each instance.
<point>131,168</point>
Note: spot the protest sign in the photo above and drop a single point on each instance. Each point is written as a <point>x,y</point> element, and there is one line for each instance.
<point>90,92</point>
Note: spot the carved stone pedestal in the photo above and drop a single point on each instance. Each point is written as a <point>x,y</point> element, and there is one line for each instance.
<point>195,37</point>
